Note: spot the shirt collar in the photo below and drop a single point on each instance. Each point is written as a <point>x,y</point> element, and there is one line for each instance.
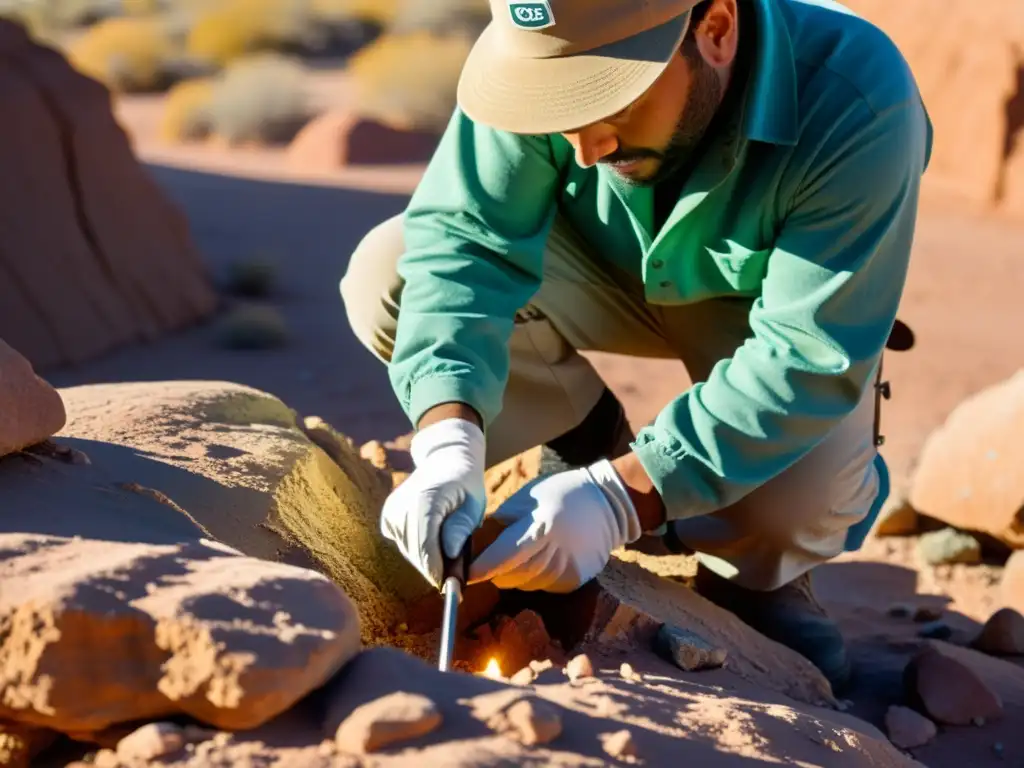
<point>770,107</point>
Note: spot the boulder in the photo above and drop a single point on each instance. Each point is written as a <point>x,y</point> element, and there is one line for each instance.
<point>30,409</point>
<point>968,475</point>
<point>1011,586</point>
<point>98,633</point>
<point>238,463</point>
<point>95,255</point>
<point>973,97</point>
<point>338,139</point>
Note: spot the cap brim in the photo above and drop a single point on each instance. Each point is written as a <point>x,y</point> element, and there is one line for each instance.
<point>556,95</point>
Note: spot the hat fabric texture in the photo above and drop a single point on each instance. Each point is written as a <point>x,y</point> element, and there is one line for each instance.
<point>550,66</point>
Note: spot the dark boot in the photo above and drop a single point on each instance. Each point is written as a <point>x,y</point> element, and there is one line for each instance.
<point>790,615</point>
<point>603,434</point>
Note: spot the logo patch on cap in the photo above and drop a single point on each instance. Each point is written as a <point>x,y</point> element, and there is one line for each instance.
<point>532,15</point>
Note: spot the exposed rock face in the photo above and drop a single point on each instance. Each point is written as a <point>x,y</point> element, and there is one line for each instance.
<point>969,473</point>
<point>30,409</point>
<point>974,97</point>
<point>1011,588</point>
<point>97,633</point>
<point>236,460</point>
<point>95,256</point>
<point>337,139</point>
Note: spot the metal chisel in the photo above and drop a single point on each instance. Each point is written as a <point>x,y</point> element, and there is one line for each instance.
<point>456,574</point>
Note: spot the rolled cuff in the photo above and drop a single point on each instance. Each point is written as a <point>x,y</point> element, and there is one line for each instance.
<point>675,476</point>
<point>430,391</point>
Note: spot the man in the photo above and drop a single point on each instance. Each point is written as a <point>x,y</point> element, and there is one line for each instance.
<point>731,183</point>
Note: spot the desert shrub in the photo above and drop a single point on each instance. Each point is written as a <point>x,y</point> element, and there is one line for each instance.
<point>409,81</point>
<point>261,98</point>
<point>253,277</point>
<point>252,326</point>
<point>441,17</point>
<point>186,115</point>
<point>126,54</point>
<point>237,28</point>
<point>378,11</point>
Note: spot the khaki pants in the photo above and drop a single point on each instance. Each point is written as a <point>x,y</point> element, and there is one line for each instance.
<point>795,521</point>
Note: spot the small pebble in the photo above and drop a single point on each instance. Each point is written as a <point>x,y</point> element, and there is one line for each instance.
<point>533,721</point>
<point>541,666</point>
<point>627,672</point>
<point>579,667</point>
<point>908,729</point>
<point>150,742</point>
<point>687,650</point>
<point>619,744</point>
<point>900,611</point>
<point>925,613</point>
<point>393,718</point>
<point>978,721</point>
<point>524,676</point>
<point>936,630</point>
<point>998,748</point>
<point>1003,634</point>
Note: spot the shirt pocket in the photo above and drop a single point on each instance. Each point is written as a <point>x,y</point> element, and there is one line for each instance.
<point>742,269</point>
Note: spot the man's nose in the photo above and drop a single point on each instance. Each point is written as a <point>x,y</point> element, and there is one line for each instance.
<point>592,144</point>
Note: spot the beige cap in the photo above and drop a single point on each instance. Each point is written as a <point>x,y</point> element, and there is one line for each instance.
<point>548,66</point>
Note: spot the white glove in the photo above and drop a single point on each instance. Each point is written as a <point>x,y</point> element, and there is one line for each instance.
<point>561,531</point>
<point>446,487</point>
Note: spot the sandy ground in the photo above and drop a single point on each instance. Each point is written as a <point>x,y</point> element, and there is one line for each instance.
<point>961,301</point>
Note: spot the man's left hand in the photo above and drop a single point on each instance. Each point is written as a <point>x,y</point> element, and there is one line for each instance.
<point>561,531</point>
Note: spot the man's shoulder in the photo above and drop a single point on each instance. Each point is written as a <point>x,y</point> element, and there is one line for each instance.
<point>842,57</point>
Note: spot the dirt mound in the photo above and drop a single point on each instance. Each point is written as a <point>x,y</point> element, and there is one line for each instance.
<point>337,139</point>
<point>30,409</point>
<point>974,93</point>
<point>94,255</point>
<point>238,463</point>
<point>969,473</point>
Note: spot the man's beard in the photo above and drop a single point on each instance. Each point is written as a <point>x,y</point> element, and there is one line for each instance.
<point>701,105</point>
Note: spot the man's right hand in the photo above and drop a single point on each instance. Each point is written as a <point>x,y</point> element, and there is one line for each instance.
<point>442,502</point>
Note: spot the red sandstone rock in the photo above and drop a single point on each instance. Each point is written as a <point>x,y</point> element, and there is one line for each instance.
<point>1002,634</point>
<point>388,720</point>
<point>949,690</point>
<point>337,139</point>
<point>968,475</point>
<point>970,156</point>
<point>30,409</point>
<point>103,632</point>
<point>908,729</point>
<point>96,256</point>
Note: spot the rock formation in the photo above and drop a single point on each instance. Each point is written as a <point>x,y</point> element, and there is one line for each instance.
<point>974,94</point>
<point>337,139</point>
<point>969,473</point>
<point>94,256</point>
<point>30,409</point>
<point>175,563</point>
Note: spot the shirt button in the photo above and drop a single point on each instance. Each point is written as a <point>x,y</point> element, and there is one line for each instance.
<point>657,264</point>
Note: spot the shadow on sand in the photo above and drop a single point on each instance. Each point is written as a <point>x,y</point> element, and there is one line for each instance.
<point>308,232</point>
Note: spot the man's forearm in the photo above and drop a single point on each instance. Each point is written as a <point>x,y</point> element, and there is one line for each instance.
<point>650,508</point>
<point>449,411</point>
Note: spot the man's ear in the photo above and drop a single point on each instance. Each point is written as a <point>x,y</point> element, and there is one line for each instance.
<point>718,34</point>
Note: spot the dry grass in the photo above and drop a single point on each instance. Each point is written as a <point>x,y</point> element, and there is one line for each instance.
<point>409,81</point>
<point>126,54</point>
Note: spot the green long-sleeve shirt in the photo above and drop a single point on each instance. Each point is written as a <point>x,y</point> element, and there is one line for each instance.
<point>806,204</point>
